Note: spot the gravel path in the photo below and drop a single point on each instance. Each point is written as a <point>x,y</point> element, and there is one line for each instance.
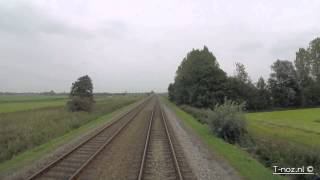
<point>203,162</point>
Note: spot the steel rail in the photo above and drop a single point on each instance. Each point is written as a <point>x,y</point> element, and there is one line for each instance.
<point>146,146</point>
<point>171,145</point>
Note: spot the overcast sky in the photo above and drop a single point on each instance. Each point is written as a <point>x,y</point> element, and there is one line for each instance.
<point>138,45</point>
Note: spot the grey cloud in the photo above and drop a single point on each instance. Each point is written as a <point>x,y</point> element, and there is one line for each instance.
<point>137,46</point>
<point>114,29</point>
<point>26,19</point>
<point>249,46</point>
<point>289,44</point>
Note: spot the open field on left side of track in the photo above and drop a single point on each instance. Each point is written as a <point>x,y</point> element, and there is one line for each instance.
<point>23,130</point>
<point>30,105</point>
<point>29,98</point>
<point>14,103</point>
<point>25,159</point>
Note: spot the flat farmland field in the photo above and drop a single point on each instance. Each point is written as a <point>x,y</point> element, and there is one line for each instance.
<point>13,103</point>
<point>26,124</point>
<point>301,127</point>
<point>29,105</point>
<point>24,98</point>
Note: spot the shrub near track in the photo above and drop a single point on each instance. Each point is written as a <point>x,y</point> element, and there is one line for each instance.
<point>24,130</point>
<point>248,167</point>
<point>287,138</point>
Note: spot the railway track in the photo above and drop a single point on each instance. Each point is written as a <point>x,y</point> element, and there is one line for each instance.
<point>71,164</point>
<point>162,157</point>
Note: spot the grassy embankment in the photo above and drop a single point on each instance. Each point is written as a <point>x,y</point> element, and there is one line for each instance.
<point>27,135</point>
<point>248,167</point>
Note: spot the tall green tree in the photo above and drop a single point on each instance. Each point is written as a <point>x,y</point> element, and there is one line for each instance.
<point>241,73</point>
<point>81,95</point>
<point>244,89</point>
<point>199,80</point>
<point>263,95</point>
<point>302,63</point>
<point>283,84</point>
<point>82,87</point>
<point>314,50</point>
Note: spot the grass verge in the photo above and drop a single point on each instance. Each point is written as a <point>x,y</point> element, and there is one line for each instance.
<point>34,154</point>
<point>248,167</point>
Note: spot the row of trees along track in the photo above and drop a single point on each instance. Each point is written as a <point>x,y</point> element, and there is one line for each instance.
<point>160,157</point>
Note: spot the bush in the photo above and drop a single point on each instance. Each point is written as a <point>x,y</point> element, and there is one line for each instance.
<point>80,104</point>
<point>227,122</point>
<point>200,114</point>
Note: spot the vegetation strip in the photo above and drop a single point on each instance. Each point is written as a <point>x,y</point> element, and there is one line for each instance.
<point>248,167</point>
<point>33,154</point>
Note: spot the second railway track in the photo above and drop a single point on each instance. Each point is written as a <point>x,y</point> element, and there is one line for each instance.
<point>70,164</point>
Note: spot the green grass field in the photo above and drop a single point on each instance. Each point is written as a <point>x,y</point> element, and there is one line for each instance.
<point>24,98</point>
<point>14,103</point>
<point>248,167</point>
<point>31,155</point>
<point>300,126</point>
<point>24,130</point>
<point>29,105</point>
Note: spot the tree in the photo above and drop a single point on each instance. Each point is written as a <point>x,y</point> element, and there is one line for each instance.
<point>82,88</point>
<point>261,84</point>
<point>241,73</point>
<point>170,92</point>
<point>303,65</point>
<point>241,89</point>
<point>81,95</point>
<point>263,95</point>
<point>283,84</point>
<point>314,50</point>
<point>304,79</point>
<point>199,80</point>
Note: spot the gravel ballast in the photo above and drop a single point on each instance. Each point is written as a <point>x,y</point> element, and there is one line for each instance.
<point>203,162</point>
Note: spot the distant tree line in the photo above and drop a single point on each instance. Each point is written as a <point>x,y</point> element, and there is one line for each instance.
<point>200,82</point>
